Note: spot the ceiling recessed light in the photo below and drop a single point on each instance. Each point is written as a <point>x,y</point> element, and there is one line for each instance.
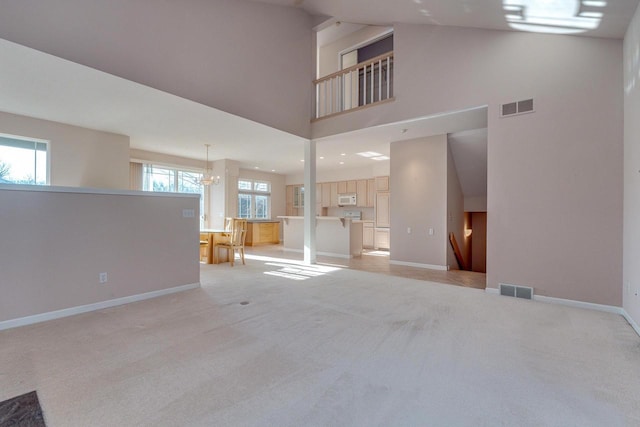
<point>342,163</point>
<point>380,158</point>
<point>256,167</point>
<point>321,157</point>
<point>343,154</point>
<point>302,160</point>
<point>369,154</point>
<point>273,170</point>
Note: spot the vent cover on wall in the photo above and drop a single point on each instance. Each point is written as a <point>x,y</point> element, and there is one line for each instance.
<point>514,108</point>
<point>516,291</point>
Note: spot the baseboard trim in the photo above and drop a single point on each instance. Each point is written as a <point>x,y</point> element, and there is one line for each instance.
<point>632,322</point>
<point>419,265</point>
<point>66,312</point>
<point>581,304</point>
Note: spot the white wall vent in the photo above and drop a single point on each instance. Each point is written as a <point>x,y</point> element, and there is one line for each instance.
<point>516,291</point>
<point>519,107</point>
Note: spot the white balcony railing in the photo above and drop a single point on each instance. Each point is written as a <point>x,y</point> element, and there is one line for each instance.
<point>361,85</point>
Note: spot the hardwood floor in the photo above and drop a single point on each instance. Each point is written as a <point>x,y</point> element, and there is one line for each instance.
<point>378,262</point>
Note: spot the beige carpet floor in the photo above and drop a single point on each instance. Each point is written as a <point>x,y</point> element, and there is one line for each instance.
<point>274,343</point>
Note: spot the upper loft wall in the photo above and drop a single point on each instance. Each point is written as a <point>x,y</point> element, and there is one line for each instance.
<point>247,58</point>
<point>329,55</point>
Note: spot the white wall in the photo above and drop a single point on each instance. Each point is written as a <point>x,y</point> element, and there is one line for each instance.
<point>228,54</point>
<point>555,176</point>
<point>56,241</point>
<point>455,212</point>
<point>631,273</point>
<point>79,157</point>
<point>419,200</point>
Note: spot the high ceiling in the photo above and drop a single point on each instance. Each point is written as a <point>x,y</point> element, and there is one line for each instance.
<point>597,18</point>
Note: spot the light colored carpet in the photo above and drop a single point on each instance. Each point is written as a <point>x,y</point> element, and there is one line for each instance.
<point>317,346</point>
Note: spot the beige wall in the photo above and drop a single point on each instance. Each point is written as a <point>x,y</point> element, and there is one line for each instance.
<point>631,275</point>
<point>247,58</point>
<point>455,212</point>
<point>55,242</point>
<point>78,157</point>
<point>419,200</point>
<point>557,170</point>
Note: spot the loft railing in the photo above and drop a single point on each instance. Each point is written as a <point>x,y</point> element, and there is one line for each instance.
<point>358,86</point>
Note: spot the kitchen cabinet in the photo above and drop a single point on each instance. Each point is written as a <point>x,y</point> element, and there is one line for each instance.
<point>326,195</point>
<point>361,193</point>
<point>298,196</point>
<point>289,201</point>
<point>368,234</point>
<point>342,187</point>
<point>382,240</point>
<point>383,213</point>
<point>371,193</point>
<point>334,195</point>
<point>262,232</point>
<point>352,186</point>
<point>382,183</point>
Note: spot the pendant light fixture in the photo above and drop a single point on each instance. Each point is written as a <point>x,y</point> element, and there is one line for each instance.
<point>207,177</point>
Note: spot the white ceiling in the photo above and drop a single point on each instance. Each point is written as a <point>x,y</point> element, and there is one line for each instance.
<point>490,14</point>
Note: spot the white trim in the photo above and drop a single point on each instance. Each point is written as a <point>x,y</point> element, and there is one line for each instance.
<point>581,304</point>
<point>415,264</point>
<point>51,315</point>
<point>86,190</point>
<point>632,322</point>
<point>384,34</point>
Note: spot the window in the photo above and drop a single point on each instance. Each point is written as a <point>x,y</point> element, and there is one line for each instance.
<point>160,178</point>
<point>23,161</point>
<point>254,199</point>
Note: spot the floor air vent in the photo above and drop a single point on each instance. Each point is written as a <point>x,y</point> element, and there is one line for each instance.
<point>514,108</point>
<point>516,291</point>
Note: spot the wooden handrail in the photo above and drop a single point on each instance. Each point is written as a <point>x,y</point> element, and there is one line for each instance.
<point>355,67</point>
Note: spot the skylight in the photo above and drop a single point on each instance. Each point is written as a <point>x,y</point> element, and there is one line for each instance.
<point>554,16</point>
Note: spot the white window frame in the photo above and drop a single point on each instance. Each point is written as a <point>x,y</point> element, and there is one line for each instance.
<point>36,142</point>
<point>204,208</point>
<point>254,193</point>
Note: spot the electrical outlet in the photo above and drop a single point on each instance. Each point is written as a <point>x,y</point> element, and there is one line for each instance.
<point>102,277</point>
<point>188,213</point>
<point>430,231</point>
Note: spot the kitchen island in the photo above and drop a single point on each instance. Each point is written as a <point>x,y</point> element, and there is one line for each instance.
<point>262,232</point>
<point>335,236</point>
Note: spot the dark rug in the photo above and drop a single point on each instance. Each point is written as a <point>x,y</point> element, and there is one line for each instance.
<point>22,411</point>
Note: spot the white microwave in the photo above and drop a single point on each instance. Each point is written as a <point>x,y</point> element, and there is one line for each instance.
<point>346,199</point>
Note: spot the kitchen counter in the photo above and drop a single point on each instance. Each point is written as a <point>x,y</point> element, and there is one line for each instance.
<point>262,232</point>
<point>335,236</point>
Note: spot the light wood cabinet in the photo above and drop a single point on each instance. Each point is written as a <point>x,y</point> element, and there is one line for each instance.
<point>334,195</point>
<point>326,195</point>
<point>260,233</point>
<point>382,183</point>
<point>352,186</point>
<point>289,201</point>
<point>371,193</point>
<point>298,196</point>
<point>383,213</point>
<point>361,193</point>
<point>368,234</point>
<point>382,240</point>
<point>342,187</point>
